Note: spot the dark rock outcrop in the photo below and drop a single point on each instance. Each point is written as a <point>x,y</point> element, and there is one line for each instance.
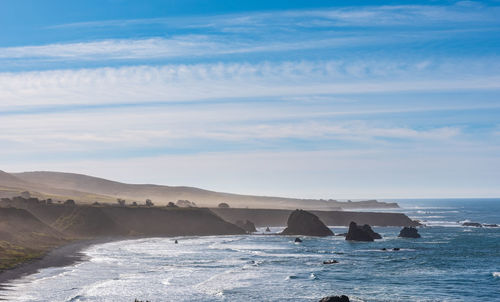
<point>268,230</point>
<point>301,222</point>
<point>361,233</point>
<point>247,226</point>
<point>472,224</point>
<point>491,225</point>
<point>298,240</point>
<point>335,299</point>
<point>409,232</point>
<point>330,262</point>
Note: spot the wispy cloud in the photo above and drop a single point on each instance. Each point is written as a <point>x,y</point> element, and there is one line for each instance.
<point>267,32</point>
<point>411,15</point>
<point>233,80</point>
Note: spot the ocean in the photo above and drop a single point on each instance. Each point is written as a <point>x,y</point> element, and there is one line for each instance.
<point>449,263</point>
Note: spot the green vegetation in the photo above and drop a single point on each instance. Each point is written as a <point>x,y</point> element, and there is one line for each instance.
<point>12,255</point>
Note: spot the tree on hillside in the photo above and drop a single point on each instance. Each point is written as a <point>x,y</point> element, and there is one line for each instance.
<point>149,203</point>
<point>186,203</point>
<point>223,205</point>
<point>134,204</point>
<point>171,205</point>
<point>121,202</point>
<point>70,202</point>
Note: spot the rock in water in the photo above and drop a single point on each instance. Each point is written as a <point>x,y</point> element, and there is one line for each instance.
<point>268,230</point>
<point>363,233</point>
<point>301,222</point>
<point>369,230</point>
<point>298,240</point>
<point>409,232</point>
<point>472,224</point>
<point>247,226</point>
<point>335,299</point>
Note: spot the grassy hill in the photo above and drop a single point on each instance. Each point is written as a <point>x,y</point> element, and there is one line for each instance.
<point>87,189</point>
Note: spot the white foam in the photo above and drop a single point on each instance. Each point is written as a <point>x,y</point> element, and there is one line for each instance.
<point>496,274</point>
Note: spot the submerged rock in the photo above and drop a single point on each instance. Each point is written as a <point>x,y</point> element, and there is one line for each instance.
<point>298,240</point>
<point>330,262</point>
<point>472,224</point>
<point>301,222</point>
<point>409,232</point>
<point>491,225</point>
<point>335,299</point>
<point>396,249</point>
<point>247,226</point>
<point>363,233</point>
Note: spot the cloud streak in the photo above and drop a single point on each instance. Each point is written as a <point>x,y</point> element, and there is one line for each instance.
<point>183,82</point>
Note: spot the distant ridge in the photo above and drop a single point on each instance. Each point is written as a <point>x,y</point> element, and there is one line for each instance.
<point>87,189</point>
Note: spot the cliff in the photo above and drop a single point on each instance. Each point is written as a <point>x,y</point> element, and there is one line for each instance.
<point>29,228</point>
<point>271,217</point>
<point>24,237</point>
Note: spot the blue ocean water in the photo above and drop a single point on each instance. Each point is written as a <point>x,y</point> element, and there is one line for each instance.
<point>449,263</point>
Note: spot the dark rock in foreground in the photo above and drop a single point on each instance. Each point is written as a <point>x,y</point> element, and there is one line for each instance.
<point>363,233</point>
<point>335,299</point>
<point>268,230</point>
<point>472,224</point>
<point>298,240</point>
<point>330,262</point>
<point>301,222</point>
<point>247,226</point>
<point>491,225</point>
<point>409,232</point>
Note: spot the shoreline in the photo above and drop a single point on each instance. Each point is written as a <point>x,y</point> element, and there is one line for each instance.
<point>63,255</point>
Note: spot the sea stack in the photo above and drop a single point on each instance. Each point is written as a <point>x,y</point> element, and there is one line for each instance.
<point>301,222</point>
<point>248,226</point>
<point>409,232</point>
<point>361,233</point>
<point>335,299</point>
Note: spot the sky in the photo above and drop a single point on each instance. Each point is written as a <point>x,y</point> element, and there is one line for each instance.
<point>313,99</point>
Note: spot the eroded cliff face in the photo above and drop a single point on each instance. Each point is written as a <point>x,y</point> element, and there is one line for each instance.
<point>103,220</point>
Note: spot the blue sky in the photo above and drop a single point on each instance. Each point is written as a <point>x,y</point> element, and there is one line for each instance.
<point>351,99</point>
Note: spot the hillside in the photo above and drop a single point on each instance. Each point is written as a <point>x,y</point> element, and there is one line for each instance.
<point>23,237</point>
<point>87,189</point>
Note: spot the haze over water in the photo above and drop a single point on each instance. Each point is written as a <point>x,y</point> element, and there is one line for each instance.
<point>449,263</point>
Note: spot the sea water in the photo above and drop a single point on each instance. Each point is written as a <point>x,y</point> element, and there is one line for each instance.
<point>449,263</point>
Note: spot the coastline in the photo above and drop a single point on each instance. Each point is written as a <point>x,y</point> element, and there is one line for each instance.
<point>63,255</point>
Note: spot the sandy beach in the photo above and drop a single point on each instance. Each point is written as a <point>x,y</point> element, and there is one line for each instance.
<point>62,256</point>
